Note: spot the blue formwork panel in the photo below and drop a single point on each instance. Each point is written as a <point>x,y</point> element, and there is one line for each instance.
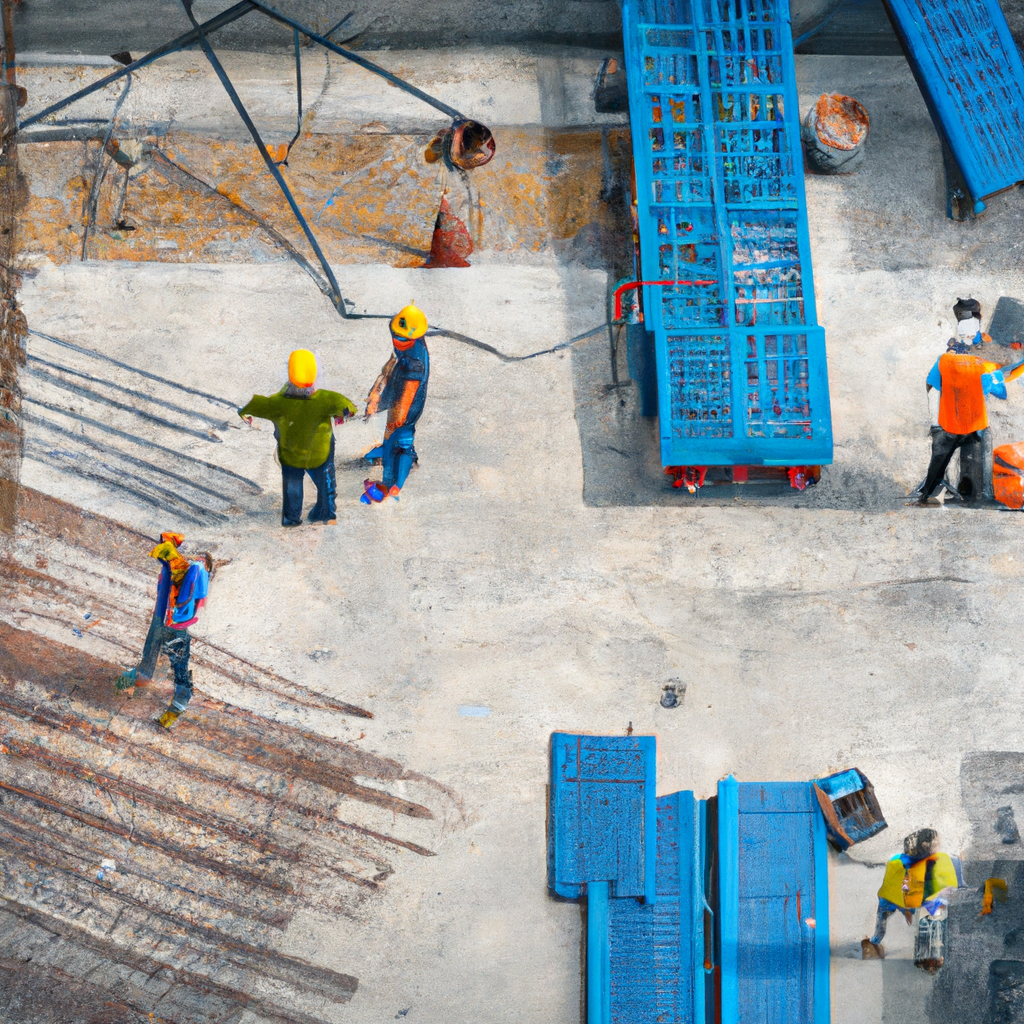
<point>657,951</point>
<point>773,893</point>
<point>742,373</point>
<point>971,76</point>
<point>603,821</point>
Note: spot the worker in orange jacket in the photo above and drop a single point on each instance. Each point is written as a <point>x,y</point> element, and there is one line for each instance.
<point>962,380</point>
<point>401,388</point>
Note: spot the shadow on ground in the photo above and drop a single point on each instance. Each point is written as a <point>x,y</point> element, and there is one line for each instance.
<point>622,463</point>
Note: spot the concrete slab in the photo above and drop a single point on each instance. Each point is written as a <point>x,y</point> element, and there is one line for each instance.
<point>528,573</point>
<point>498,85</point>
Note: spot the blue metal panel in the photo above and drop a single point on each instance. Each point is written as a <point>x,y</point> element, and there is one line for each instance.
<point>970,73</point>
<point>599,973</point>
<point>729,895</point>
<point>656,951</point>
<point>822,952</point>
<point>603,817</point>
<point>774,904</point>
<point>742,374</point>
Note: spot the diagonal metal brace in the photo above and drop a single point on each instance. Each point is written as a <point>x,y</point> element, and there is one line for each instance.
<point>338,299</point>
<point>181,43</point>
<point>357,59</point>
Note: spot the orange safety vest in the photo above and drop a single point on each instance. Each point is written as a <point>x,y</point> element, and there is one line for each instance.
<point>962,401</point>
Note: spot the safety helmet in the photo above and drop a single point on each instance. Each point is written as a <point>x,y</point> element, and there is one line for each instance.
<point>302,368</point>
<point>409,323</point>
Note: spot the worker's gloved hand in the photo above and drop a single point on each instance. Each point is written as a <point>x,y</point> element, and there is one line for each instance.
<point>994,383</point>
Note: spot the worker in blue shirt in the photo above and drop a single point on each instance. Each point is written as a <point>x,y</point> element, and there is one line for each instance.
<point>181,592</point>
<point>975,444</point>
<point>401,388</point>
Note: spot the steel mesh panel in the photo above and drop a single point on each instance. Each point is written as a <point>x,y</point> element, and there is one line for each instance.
<point>970,71</point>
<point>766,270</point>
<point>688,250</point>
<point>777,396</point>
<point>720,191</point>
<point>701,380</point>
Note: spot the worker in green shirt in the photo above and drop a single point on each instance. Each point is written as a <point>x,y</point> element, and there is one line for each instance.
<point>302,418</point>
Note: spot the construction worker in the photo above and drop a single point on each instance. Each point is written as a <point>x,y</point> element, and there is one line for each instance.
<point>305,438</point>
<point>975,455</point>
<point>962,380</point>
<point>401,388</point>
<point>180,592</point>
<point>915,880</point>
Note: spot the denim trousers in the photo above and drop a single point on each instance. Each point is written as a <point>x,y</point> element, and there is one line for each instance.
<point>323,477</point>
<point>177,645</point>
<point>397,455</point>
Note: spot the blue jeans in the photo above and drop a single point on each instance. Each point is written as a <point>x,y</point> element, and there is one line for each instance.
<point>177,645</point>
<point>326,491</point>
<point>397,455</point>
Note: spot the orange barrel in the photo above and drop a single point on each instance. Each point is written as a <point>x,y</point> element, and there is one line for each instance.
<point>834,132</point>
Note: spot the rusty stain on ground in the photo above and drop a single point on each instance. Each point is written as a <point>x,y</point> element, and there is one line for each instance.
<point>370,198</point>
<point>220,831</point>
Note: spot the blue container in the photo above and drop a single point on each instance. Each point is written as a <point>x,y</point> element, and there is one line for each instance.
<point>851,809</point>
<point>741,367</point>
<point>971,76</point>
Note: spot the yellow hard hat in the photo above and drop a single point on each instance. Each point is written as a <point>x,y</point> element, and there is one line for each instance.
<point>302,368</point>
<point>409,322</point>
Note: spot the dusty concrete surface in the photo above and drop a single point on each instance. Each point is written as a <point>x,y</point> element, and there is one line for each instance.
<point>506,595</point>
<point>108,26</point>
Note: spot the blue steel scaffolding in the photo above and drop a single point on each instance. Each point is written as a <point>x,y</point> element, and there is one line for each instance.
<point>697,910</point>
<point>970,73</point>
<point>741,368</point>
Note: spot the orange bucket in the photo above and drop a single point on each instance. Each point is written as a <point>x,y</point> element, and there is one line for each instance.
<point>1008,475</point>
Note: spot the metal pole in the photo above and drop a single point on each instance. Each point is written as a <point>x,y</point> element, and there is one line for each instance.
<point>599,977</point>
<point>188,39</point>
<point>339,300</point>
<point>357,59</point>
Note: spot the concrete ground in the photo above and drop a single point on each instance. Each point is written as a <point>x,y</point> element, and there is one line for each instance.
<point>533,579</point>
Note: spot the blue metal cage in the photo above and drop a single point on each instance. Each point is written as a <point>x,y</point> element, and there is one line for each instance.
<point>742,375</point>
<point>970,73</point>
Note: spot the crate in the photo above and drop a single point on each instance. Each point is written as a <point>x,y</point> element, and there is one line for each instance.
<point>970,73</point>
<point>742,376</point>
<point>851,809</point>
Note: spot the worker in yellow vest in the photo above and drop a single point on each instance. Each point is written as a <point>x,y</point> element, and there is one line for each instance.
<point>916,878</point>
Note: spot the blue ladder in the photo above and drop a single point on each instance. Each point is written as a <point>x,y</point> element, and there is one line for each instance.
<point>970,73</point>
<point>741,368</point>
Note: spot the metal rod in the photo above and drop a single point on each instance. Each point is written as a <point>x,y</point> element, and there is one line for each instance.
<point>330,32</point>
<point>339,300</point>
<point>188,39</point>
<point>8,15</point>
<point>298,93</point>
<point>357,59</point>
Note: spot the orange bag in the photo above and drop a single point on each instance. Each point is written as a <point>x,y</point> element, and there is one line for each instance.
<point>1008,475</point>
